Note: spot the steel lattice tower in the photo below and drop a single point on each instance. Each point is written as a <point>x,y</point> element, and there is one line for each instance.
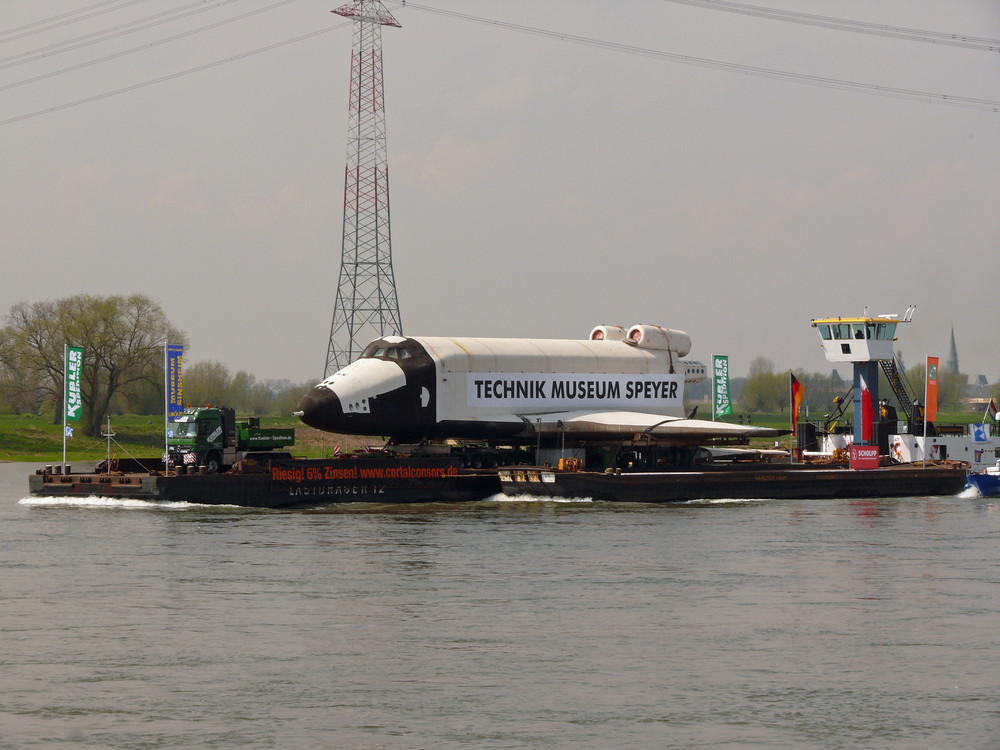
<point>366,306</point>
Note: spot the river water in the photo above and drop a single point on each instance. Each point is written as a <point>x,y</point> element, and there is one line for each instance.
<point>528,624</point>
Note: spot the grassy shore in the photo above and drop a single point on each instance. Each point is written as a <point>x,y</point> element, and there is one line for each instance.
<point>27,437</point>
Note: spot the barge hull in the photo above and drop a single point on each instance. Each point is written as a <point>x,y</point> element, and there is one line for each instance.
<point>299,482</point>
<point>772,482</point>
<point>288,483</point>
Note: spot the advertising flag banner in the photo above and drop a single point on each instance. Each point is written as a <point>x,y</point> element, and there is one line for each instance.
<point>175,391</point>
<point>74,367</point>
<point>721,405</point>
<point>930,413</point>
<point>798,391</point>
<point>867,411</point>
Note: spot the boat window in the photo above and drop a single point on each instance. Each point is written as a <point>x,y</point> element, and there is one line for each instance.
<point>824,331</point>
<point>890,331</point>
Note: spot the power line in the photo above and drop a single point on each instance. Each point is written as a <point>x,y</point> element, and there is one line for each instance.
<point>144,47</point>
<point>885,91</point>
<point>172,76</point>
<point>64,19</point>
<point>113,32</point>
<point>841,24</point>
<point>812,80</point>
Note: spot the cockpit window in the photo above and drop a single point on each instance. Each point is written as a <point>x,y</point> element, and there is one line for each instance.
<point>375,351</point>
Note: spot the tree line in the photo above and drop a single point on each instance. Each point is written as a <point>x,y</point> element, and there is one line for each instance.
<point>123,336</point>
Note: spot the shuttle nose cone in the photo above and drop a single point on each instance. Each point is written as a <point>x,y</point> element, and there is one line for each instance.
<point>320,408</point>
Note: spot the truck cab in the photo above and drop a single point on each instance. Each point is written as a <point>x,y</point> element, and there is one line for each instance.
<point>215,438</point>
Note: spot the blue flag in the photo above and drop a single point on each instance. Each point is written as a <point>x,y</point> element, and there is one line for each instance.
<point>175,390</point>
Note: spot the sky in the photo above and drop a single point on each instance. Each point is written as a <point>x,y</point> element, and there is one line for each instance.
<point>538,186</point>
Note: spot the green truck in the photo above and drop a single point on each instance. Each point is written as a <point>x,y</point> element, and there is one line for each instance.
<point>213,437</point>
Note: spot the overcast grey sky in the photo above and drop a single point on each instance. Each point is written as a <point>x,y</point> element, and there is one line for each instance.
<point>538,187</point>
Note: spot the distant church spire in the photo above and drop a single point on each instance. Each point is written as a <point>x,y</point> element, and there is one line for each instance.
<point>953,357</point>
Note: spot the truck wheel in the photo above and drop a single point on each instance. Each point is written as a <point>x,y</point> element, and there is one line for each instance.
<point>213,463</point>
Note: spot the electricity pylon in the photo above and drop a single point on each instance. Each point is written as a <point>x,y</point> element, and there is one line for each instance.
<point>366,306</point>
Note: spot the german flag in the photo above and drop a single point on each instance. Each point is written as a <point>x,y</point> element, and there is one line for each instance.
<point>797,391</point>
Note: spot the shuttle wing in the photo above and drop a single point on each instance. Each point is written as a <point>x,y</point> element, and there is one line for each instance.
<point>602,424</point>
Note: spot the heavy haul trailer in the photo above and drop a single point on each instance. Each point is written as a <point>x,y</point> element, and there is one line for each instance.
<point>215,438</point>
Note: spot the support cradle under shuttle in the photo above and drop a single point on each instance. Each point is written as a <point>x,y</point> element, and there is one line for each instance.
<point>616,384</point>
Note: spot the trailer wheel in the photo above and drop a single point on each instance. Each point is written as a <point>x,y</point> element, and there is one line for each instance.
<point>213,463</point>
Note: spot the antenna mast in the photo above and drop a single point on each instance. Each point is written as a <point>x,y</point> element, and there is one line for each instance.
<point>366,306</point>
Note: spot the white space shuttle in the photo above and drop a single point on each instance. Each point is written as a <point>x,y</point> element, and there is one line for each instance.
<point>615,385</point>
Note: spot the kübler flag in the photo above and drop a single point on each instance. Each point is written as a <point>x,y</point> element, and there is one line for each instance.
<point>721,405</point>
<point>74,367</point>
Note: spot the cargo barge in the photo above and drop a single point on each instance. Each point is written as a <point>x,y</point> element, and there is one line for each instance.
<point>378,478</point>
<point>281,482</point>
<point>736,482</point>
<point>609,411</point>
